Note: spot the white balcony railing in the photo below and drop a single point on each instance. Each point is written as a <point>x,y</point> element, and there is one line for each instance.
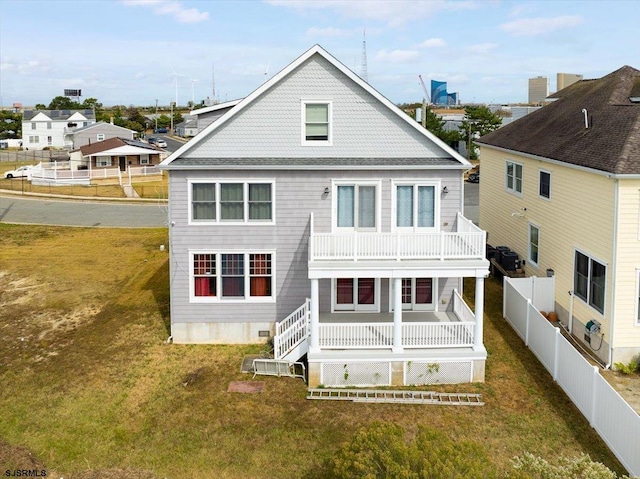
<point>380,335</point>
<point>468,242</point>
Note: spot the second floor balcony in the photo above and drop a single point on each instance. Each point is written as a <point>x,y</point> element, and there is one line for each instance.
<point>466,242</point>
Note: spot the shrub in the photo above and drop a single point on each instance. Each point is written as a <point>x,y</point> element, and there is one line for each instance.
<point>529,466</point>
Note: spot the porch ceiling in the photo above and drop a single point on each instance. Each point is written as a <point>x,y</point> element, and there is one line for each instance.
<point>475,268</point>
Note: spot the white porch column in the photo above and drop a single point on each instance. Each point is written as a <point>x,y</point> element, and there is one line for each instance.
<point>479,313</point>
<point>314,340</point>
<point>397,315</point>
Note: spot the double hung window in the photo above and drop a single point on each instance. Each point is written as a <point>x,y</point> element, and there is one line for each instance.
<point>415,206</point>
<point>103,161</point>
<point>233,202</point>
<point>514,178</point>
<point>317,123</point>
<point>534,244</point>
<point>590,277</point>
<point>545,184</point>
<point>357,206</point>
<point>232,276</point>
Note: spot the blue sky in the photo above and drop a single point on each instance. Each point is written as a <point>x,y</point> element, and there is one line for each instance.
<point>128,52</point>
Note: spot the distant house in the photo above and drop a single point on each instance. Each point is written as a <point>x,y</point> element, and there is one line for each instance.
<point>188,128</point>
<point>561,188</point>
<point>115,152</point>
<point>97,132</point>
<point>53,128</point>
<point>207,115</point>
<point>317,212</point>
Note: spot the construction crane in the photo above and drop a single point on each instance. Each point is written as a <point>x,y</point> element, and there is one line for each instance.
<point>426,101</point>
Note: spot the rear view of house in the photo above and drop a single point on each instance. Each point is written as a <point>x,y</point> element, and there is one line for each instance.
<point>317,212</point>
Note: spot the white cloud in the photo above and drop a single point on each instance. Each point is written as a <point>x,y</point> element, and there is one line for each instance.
<point>397,56</point>
<point>483,48</point>
<point>434,43</point>
<point>540,25</point>
<point>28,66</point>
<point>327,32</point>
<point>397,12</point>
<point>173,8</point>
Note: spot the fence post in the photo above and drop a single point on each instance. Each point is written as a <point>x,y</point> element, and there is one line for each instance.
<point>556,354</point>
<point>594,397</point>
<point>505,281</point>
<point>527,322</point>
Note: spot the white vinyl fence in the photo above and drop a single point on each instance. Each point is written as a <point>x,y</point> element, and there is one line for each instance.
<point>607,412</point>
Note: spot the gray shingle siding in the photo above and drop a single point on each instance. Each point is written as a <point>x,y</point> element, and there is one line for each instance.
<point>297,194</point>
<point>271,126</point>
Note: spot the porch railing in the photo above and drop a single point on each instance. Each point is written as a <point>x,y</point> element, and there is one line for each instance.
<point>461,308</point>
<point>292,331</point>
<point>468,242</point>
<point>380,335</point>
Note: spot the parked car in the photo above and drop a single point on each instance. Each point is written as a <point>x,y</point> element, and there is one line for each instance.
<point>152,140</point>
<point>161,143</point>
<point>18,172</point>
<point>161,130</point>
<point>474,177</point>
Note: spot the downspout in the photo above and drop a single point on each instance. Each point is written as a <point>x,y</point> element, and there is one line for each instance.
<point>616,190</point>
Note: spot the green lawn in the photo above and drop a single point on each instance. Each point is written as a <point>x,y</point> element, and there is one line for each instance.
<point>91,389</point>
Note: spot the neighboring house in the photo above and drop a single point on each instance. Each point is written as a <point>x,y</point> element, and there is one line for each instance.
<point>100,131</point>
<point>115,152</point>
<point>207,115</point>
<point>188,128</point>
<point>318,212</point>
<point>561,187</point>
<point>52,128</point>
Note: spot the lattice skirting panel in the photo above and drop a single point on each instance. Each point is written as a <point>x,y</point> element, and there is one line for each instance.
<point>356,374</point>
<point>455,372</point>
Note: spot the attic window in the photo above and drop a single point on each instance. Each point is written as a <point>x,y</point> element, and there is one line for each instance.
<point>317,123</point>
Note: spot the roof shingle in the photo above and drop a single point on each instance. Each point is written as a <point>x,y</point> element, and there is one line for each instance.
<point>610,143</point>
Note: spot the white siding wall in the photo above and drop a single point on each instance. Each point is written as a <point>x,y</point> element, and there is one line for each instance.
<point>272,125</point>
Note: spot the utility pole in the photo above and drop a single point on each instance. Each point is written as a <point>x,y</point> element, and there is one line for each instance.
<point>156,128</point>
<point>172,103</point>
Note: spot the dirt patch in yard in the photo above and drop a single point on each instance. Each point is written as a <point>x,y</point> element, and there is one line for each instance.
<point>627,385</point>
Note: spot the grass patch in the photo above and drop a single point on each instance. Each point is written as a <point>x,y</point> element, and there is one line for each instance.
<point>91,389</point>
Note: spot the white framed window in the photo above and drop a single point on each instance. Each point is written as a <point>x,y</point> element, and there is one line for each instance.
<point>316,123</point>
<point>416,206</point>
<point>48,125</point>
<point>637,315</point>
<point>534,244</point>
<point>357,205</point>
<point>356,294</point>
<point>33,125</point>
<point>513,178</point>
<point>144,159</point>
<point>544,184</point>
<point>232,202</point>
<point>590,278</point>
<point>232,276</point>
<point>418,294</point>
<point>100,137</point>
<point>103,161</point>
<point>34,139</point>
<point>49,140</point>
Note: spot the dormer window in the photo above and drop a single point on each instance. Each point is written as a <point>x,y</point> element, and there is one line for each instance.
<point>317,123</point>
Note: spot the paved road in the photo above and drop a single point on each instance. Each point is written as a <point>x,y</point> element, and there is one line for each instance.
<point>48,211</point>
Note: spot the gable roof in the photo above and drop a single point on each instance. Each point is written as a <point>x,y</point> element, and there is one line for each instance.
<point>112,143</point>
<point>216,107</point>
<point>452,156</point>
<point>58,114</point>
<point>609,142</point>
<point>100,123</point>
